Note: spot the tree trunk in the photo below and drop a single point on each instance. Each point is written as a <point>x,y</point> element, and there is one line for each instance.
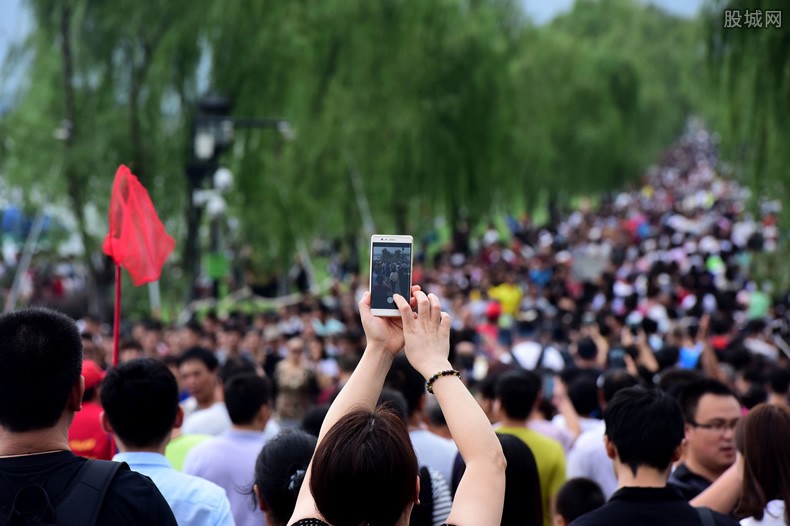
<point>97,303</point>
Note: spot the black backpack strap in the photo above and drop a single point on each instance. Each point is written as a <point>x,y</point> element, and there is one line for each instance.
<point>706,516</point>
<point>541,356</point>
<point>84,500</point>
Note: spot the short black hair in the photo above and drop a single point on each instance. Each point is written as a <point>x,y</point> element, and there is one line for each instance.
<point>280,470</point>
<point>646,427</point>
<point>403,378</point>
<point>202,354</point>
<point>395,401</point>
<point>517,392</point>
<point>780,380</point>
<point>140,399</point>
<point>235,366</point>
<point>614,380</point>
<point>245,394</point>
<point>314,419</point>
<point>583,394</point>
<point>577,497</point>
<point>40,361</point>
<point>691,394</point>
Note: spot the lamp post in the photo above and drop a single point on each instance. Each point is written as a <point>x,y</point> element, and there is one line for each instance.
<point>212,133</point>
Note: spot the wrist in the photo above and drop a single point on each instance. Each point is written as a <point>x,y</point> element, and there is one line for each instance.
<point>431,368</point>
<point>378,351</point>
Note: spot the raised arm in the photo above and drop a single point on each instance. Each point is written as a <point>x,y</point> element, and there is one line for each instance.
<point>384,341</point>
<point>480,497</point>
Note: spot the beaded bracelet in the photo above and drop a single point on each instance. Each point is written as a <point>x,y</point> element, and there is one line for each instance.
<point>432,379</point>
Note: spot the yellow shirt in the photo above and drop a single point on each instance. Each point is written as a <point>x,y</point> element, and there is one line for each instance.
<point>550,459</point>
<point>508,295</point>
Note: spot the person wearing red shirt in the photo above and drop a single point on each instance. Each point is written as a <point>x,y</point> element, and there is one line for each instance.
<point>86,436</point>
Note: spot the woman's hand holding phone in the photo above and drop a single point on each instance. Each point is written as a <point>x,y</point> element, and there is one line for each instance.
<point>384,333</point>
<point>426,333</point>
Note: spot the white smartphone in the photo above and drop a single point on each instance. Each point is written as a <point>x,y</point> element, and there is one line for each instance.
<point>390,272</point>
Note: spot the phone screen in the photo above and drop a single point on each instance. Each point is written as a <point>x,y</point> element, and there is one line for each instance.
<point>390,273</point>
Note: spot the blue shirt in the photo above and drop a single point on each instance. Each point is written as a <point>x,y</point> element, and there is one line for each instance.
<point>229,461</point>
<point>194,501</point>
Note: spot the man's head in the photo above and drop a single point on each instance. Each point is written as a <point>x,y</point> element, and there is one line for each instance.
<point>516,394</point>
<point>198,370</point>
<point>575,498</point>
<point>711,411</point>
<point>644,428</point>
<point>130,350</point>
<point>140,401</point>
<point>40,364</point>
<point>613,381</point>
<point>247,399</point>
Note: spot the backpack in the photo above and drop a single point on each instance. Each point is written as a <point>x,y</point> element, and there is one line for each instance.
<point>82,502</point>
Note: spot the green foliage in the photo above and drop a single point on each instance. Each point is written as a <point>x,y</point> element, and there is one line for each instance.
<point>749,69</point>
<point>444,108</point>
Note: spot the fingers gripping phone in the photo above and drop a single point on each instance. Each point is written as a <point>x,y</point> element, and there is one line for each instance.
<point>390,272</point>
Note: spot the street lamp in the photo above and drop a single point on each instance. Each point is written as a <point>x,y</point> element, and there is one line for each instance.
<point>212,133</point>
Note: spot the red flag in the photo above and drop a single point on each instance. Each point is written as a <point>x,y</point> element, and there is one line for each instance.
<point>137,240</point>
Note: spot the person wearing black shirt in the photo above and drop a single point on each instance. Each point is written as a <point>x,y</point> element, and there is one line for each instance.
<point>644,430</point>
<point>40,390</point>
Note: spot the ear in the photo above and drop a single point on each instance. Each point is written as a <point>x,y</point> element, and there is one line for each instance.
<point>74,403</point>
<point>261,503</point>
<point>179,417</point>
<point>265,413</point>
<point>677,453</point>
<point>417,495</point>
<point>496,409</point>
<point>686,431</point>
<point>105,423</point>
<point>611,451</point>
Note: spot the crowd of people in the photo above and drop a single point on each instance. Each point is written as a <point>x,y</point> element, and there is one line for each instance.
<point>625,362</point>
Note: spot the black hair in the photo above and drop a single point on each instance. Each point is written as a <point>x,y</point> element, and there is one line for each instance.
<point>140,399</point>
<point>780,380</point>
<point>583,394</point>
<point>40,361</point>
<point>613,381</point>
<point>586,348</point>
<point>645,426</point>
<point>202,354</point>
<point>403,378</point>
<point>487,386</point>
<point>691,394</point>
<point>577,497</point>
<point>754,395</point>
<point>280,469</point>
<point>517,392</point>
<point>396,402</point>
<point>314,419</point>
<point>233,367</point>
<point>245,394</point>
<point>674,380</point>
<point>523,506</point>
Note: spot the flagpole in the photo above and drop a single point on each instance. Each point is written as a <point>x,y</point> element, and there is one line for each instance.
<point>116,333</point>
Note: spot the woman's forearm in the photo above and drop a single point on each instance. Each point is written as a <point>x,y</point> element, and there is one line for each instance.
<point>363,388</point>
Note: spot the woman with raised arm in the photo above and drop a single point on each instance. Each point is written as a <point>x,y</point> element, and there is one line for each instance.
<point>364,471</point>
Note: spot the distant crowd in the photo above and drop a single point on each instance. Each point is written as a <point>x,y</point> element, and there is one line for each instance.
<point>554,327</point>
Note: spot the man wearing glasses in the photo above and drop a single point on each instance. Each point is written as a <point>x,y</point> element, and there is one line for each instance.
<point>711,411</point>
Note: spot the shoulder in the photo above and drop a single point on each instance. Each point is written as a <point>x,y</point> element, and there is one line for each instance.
<point>133,498</point>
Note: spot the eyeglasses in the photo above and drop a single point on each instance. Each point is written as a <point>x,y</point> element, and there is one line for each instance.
<point>720,426</point>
